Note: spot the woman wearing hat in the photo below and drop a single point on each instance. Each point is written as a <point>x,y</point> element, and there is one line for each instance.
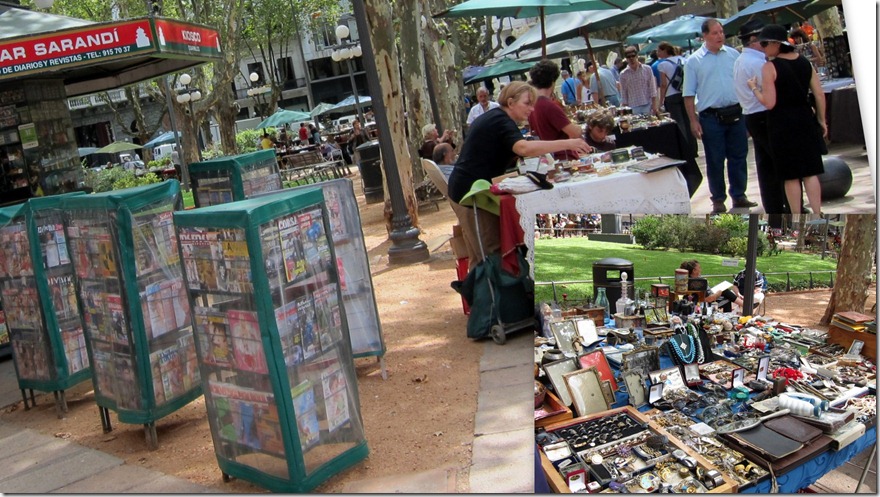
<point>794,142</point>
<point>493,144</point>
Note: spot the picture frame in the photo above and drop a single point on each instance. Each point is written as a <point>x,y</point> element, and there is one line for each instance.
<point>763,367</point>
<point>643,359</point>
<point>555,371</point>
<point>565,333</point>
<point>698,285</point>
<point>670,377</point>
<point>608,392</point>
<point>692,374</point>
<point>635,387</point>
<point>586,330</point>
<point>656,315</point>
<point>585,389</point>
<point>738,377</point>
<point>597,359</point>
<point>656,393</point>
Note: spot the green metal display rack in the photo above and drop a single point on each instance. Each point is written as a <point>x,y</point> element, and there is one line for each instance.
<point>235,177</point>
<point>273,343</point>
<point>42,309</point>
<point>136,316</point>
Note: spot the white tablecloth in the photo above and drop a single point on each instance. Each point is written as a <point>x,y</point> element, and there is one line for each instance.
<point>660,192</point>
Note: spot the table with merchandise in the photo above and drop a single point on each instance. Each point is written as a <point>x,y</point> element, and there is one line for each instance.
<point>710,402</point>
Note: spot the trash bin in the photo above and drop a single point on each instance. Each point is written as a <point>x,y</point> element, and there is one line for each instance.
<point>370,166</point>
<point>606,274</point>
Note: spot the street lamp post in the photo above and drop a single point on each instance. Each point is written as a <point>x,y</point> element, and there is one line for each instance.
<point>347,52</point>
<point>258,93</point>
<point>187,96</point>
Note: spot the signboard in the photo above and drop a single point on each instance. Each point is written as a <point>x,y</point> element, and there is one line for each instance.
<point>98,43</point>
<point>28,134</point>
<point>75,46</point>
<point>728,262</point>
<point>175,37</point>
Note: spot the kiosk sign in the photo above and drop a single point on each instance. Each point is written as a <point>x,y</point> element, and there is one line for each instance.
<point>177,37</point>
<point>76,46</point>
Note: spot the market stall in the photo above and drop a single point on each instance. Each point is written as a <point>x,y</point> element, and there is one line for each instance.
<point>51,58</point>
<point>234,177</point>
<point>686,403</point>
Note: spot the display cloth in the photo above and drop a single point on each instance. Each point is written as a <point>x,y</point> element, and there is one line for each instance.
<point>660,192</point>
<point>668,140</point>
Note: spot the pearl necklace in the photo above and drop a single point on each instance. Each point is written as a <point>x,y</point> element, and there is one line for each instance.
<point>692,332</point>
<point>688,357</point>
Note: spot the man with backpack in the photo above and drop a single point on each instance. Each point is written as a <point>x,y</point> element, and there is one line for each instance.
<point>671,69</point>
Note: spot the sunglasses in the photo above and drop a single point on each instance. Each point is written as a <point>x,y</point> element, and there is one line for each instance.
<point>630,55</point>
<point>766,42</point>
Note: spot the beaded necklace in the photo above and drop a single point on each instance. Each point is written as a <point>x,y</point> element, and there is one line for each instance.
<point>692,331</point>
<point>686,357</point>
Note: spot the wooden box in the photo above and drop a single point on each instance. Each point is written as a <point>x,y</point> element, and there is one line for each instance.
<point>845,338</point>
<point>597,314</point>
<point>626,322</point>
<point>553,411</point>
<point>558,484</point>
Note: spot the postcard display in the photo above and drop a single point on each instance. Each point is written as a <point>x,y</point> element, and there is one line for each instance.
<point>353,266</point>
<point>42,309</point>
<point>38,150</point>
<point>237,177</point>
<point>135,311</point>
<point>272,340</point>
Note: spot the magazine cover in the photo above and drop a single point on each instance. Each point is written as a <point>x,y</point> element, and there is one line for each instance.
<point>21,304</point>
<point>53,245</point>
<point>291,248</point>
<point>127,391</point>
<point>289,334</point>
<point>335,397</point>
<point>31,356</point>
<point>247,344</point>
<point>118,325</point>
<point>306,313</point>
<point>16,259</point>
<point>305,409</point>
<point>199,259</point>
<point>156,373</point>
<point>171,366</point>
<point>102,369</point>
<point>63,296</point>
<point>186,347</point>
<point>333,199</point>
<point>74,345</point>
<point>247,416</point>
<point>214,338</point>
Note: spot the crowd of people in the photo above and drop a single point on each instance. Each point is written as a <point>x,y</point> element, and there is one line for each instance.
<point>769,90</point>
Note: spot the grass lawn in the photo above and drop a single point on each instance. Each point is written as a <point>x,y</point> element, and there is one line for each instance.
<point>564,259</point>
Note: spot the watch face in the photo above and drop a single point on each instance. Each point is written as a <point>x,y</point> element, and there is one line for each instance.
<point>647,481</point>
<point>596,459</point>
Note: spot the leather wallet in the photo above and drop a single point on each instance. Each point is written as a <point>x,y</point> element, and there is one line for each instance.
<point>794,429</point>
<point>767,441</point>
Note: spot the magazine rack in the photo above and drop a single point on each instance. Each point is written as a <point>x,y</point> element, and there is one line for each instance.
<point>353,265</point>
<point>273,344</point>
<point>236,177</point>
<point>135,311</point>
<point>49,349</point>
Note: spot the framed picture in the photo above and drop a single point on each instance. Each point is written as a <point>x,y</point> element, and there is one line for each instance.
<point>635,387</point>
<point>565,333</point>
<point>586,329</point>
<point>763,367</point>
<point>643,359</point>
<point>598,360</point>
<point>698,285</point>
<point>656,315</point>
<point>692,375</point>
<point>655,393</point>
<point>670,377</point>
<point>555,370</point>
<point>738,377</point>
<point>585,388</point>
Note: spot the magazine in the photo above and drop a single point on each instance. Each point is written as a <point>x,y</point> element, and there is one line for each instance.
<point>214,338</point>
<point>247,416</point>
<point>291,248</point>
<point>53,245</point>
<point>246,341</point>
<point>335,397</point>
<point>305,409</point>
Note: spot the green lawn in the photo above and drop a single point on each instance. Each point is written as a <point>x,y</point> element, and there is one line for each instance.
<point>563,259</point>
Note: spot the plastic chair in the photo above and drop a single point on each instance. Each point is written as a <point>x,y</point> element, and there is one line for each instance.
<point>436,175</point>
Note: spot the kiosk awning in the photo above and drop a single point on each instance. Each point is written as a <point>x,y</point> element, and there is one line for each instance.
<point>92,57</point>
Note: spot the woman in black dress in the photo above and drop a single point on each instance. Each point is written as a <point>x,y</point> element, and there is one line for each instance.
<point>794,144</point>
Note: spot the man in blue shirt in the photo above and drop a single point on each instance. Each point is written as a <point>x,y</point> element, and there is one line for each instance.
<point>747,66</point>
<point>716,116</point>
<point>569,88</point>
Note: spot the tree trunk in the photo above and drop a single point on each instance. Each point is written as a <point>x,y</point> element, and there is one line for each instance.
<point>379,17</point>
<point>440,59</point>
<point>802,233</point>
<point>418,107</point>
<point>725,8</point>
<point>857,254</point>
<point>828,23</point>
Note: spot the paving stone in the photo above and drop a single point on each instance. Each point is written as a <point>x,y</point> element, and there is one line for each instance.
<point>504,409</point>
<point>62,470</point>
<point>119,479</point>
<point>522,375</point>
<point>436,481</point>
<point>30,451</point>
<point>169,484</point>
<point>518,350</point>
<point>503,462</point>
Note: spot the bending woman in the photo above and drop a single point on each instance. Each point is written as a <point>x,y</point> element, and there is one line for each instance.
<point>725,298</point>
<point>493,144</point>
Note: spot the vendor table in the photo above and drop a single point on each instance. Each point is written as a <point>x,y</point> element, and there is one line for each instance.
<point>660,192</point>
<point>798,477</point>
<point>665,139</point>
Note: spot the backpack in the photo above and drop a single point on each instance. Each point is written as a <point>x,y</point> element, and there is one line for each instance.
<point>677,79</point>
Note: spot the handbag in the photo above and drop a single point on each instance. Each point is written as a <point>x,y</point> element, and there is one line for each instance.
<point>730,114</point>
